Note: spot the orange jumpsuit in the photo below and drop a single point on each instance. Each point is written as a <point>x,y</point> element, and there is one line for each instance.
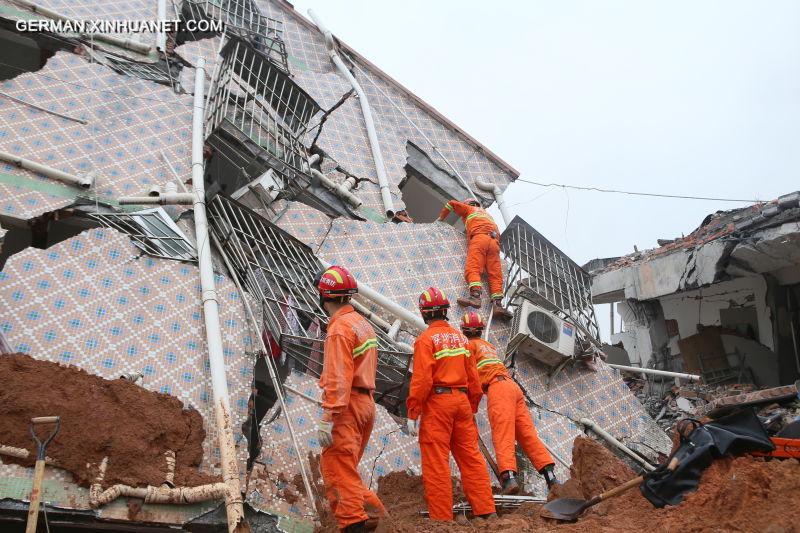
<point>508,414</point>
<point>347,382</point>
<point>483,250</point>
<point>441,362</point>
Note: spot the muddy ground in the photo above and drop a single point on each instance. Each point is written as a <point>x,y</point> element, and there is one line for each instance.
<point>743,494</point>
<point>130,425</point>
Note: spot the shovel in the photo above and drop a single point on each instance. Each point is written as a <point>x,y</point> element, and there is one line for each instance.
<point>572,508</point>
<point>38,472</point>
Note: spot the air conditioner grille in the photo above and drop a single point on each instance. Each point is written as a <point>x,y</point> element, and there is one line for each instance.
<point>543,327</point>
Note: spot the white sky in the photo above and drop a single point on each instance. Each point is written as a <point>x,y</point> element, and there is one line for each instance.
<point>697,98</point>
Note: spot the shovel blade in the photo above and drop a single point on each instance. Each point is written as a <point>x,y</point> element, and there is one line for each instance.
<point>564,509</point>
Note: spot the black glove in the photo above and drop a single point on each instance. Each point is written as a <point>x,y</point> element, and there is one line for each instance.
<point>549,475</point>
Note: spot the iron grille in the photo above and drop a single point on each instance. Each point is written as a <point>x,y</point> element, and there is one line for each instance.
<point>151,230</point>
<point>152,72</point>
<point>244,18</point>
<point>279,271</point>
<point>544,275</point>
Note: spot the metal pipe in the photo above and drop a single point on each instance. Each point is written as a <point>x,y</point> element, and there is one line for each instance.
<point>161,37</point>
<point>389,305</point>
<point>44,110</point>
<point>130,44</point>
<point>276,383</point>
<point>608,437</point>
<point>219,384</point>
<point>179,198</point>
<point>369,122</point>
<point>84,182</point>
<point>498,197</point>
<point>653,371</point>
<point>332,186</point>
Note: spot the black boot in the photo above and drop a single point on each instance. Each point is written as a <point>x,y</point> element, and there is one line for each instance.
<point>358,527</point>
<point>549,475</point>
<point>509,481</point>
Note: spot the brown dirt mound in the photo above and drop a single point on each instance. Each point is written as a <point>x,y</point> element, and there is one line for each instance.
<point>743,494</point>
<point>99,418</point>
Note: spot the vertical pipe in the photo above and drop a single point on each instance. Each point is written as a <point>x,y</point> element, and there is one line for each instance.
<point>222,408</point>
<point>611,305</point>
<point>161,37</point>
<point>377,155</point>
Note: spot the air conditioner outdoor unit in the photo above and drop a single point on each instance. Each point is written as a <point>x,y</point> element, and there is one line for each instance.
<point>541,335</point>
<point>261,191</point>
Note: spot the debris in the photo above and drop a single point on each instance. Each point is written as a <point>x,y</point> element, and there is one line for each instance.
<point>99,417</point>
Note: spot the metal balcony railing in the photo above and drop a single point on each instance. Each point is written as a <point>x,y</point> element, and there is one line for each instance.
<point>279,270</point>
<point>243,18</point>
<point>543,274</point>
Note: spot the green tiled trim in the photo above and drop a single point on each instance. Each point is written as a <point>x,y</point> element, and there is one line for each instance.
<point>61,191</point>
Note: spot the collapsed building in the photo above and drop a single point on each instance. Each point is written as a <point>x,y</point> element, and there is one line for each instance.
<point>721,302</point>
<point>311,155</point>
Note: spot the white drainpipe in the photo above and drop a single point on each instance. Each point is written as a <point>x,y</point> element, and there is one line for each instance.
<point>377,156</point>
<point>130,44</point>
<point>161,37</point>
<point>617,444</point>
<point>85,181</point>
<point>653,371</point>
<point>382,301</point>
<point>498,197</point>
<point>354,201</point>
<point>222,408</point>
<point>177,198</point>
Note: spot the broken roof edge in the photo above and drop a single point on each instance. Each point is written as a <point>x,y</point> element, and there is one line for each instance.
<point>746,221</point>
<point>494,158</point>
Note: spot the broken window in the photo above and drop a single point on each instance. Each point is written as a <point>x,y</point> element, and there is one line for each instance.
<point>43,231</point>
<point>153,231</point>
<point>279,271</point>
<point>543,275</point>
<point>427,187</point>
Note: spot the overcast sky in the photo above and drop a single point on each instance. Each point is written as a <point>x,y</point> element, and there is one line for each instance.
<point>697,98</point>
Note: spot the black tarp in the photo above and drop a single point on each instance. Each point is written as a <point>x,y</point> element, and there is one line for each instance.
<point>735,434</point>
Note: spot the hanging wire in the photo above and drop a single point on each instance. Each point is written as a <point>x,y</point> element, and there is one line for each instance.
<point>659,195</point>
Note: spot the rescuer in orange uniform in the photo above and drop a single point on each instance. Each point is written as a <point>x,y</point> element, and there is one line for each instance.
<point>445,390</point>
<point>509,417</point>
<point>347,382</point>
<point>483,252</point>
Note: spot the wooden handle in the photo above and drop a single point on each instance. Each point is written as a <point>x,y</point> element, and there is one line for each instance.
<point>622,488</point>
<point>673,464</point>
<point>36,496</point>
<point>44,420</point>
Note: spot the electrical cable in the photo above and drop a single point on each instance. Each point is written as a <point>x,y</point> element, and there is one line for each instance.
<point>597,189</point>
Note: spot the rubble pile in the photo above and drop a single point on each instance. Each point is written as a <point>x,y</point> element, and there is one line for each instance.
<point>776,406</point>
<point>746,494</point>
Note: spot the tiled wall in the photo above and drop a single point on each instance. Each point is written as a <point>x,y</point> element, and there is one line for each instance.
<point>93,301</point>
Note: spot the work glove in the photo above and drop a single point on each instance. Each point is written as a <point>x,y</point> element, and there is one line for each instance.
<point>413,427</point>
<point>325,433</point>
<point>549,475</point>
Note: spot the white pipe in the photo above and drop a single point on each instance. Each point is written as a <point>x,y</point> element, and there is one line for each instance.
<point>617,444</point>
<point>44,110</point>
<point>678,375</point>
<point>219,385</point>
<point>179,198</point>
<point>392,307</point>
<point>332,186</point>
<point>498,197</point>
<point>369,122</point>
<point>394,329</point>
<point>84,182</point>
<point>161,16</point>
<point>130,44</point>
<point>422,133</point>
